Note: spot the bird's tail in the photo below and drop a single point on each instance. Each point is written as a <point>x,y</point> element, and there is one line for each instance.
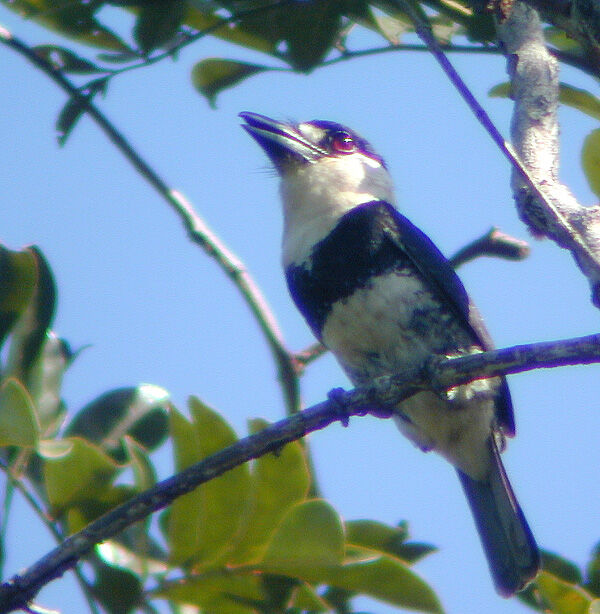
<point>507,540</point>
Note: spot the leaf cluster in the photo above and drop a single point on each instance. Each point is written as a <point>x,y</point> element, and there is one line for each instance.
<point>253,540</point>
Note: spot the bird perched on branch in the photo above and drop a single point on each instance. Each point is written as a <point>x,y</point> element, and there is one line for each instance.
<point>378,294</point>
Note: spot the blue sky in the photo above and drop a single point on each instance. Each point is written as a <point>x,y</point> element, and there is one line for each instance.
<point>156,309</point>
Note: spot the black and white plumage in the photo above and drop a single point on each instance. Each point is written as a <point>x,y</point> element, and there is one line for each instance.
<point>377,292</point>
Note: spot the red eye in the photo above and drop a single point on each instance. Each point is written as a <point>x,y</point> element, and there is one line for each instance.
<point>342,142</point>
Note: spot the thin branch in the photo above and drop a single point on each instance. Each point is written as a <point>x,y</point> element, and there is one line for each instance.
<point>493,243</point>
<point>438,374</point>
<point>580,230</point>
<point>58,536</point>
<point>198,230</point>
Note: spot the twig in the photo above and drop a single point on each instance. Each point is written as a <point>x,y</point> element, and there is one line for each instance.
<point>197,228</point>
<point>493,243</point>
<point>58,536</point>
<point>385,393</point>
<point>579,232</point>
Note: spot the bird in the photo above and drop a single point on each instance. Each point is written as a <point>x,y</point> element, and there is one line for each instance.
<point>378,294</point>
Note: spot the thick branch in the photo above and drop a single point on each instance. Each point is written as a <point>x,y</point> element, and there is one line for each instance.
<point>387,391</point>
<point>535,135</point>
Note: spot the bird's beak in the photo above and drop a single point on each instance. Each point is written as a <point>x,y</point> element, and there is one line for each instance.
<point>281,141</point>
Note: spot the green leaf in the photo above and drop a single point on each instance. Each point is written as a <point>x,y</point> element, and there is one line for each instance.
<point>213,75</point>
<point>29,333</point>
<point>204,522</point>
<point>306,599</point>
<point>389,580</point>
<point>228,31</point>
<point>222,592</point>
<point>560,567</point>
<point>278,482</point>
<point>158,22</point>
<point>75,20</point>
<point>559,38</point>
<point>580,99</point>
<point>65,60</point>
<point>385,539</point>
<point>118,590</point>
<point>571,96</point>
<point>139,412</point>
<point>45,383</point>
<point>563,597</point>
<point>138,552</point>
<point>593,572</point>
<point>18,422</point>
<point>76,107</point>
<point>590,160</point>
<point>309,544</point>
<point>144,475</point>
<point>18,277</point>
<point>309,30</point>
<point>309,536</point>
<point>68,118</point>
<point>83,473</point>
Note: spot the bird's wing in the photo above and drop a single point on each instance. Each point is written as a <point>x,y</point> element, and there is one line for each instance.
<point>440,275</point>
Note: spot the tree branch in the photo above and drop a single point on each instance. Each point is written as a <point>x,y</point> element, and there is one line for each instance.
<point>198,231</point>
<point>493,243</point>
<point>438,374</point>
<point>561,218</point>
<point>535,134</point>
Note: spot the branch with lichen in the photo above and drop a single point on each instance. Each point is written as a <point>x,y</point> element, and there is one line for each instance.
<point>543,202</point>
<point>535,136</point>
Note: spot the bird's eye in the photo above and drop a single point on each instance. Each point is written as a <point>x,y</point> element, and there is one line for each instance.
<point>342,142</point>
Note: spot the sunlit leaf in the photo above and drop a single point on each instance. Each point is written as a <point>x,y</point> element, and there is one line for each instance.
<point>559,38</point>
<point>18,276</point>
<point>30,331</point>
<point>18,422</point>
<point>139,412</point>
<point>221,592</point>
<point>590,160</point>
<point>279,481</point>
<point>145,559</point>
<point>203,522</point>
<point>385,539</point>
<point>45,382</point>
<point>310,534</point>
<point>574,97</point>
<point>83,473</point>
<point>306,599</point>
<point>563,597</point>
<point>213,75</point>
<point>389,580</point>
<point>90,506</point>
<point>561,567</point>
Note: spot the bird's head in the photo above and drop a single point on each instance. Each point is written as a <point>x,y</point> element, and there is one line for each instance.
<point>326,169</point>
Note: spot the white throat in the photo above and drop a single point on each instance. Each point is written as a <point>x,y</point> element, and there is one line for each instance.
<point>316,195</point>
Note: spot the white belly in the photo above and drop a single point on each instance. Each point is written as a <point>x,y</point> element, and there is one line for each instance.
<point>397,323</point>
